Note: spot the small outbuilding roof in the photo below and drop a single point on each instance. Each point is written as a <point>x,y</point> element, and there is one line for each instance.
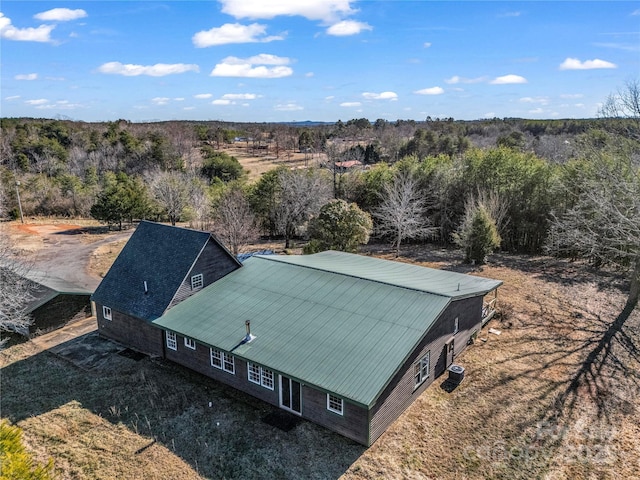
<point>47,287</point>
<point>341,322</point>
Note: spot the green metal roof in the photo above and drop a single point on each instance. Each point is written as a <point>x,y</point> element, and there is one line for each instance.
<point>439,282</point>
<point>344,331</point>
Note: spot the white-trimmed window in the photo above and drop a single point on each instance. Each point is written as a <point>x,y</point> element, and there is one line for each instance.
<point>197,281</point>
<point>172,341</point>
<point>106,312</point>
<point>190,343</point>
<point>421,369</point>
<point>260,375</point>
<point>456,325</point>
<point>335,404</point>
<point>223,361</point>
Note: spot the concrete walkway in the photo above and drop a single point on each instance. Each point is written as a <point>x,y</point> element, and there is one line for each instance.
<point>65,334</point>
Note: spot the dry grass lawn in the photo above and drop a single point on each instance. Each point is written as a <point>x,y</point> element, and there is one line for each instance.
<point>554,396</point>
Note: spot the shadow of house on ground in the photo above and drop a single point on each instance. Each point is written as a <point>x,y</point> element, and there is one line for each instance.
<point>218,431</point>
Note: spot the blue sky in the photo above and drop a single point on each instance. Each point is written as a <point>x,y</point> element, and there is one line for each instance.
<point>323,60</point>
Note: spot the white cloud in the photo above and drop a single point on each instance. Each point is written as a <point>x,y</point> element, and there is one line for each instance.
<point>203,96</point>
<point>26,76</point>
<point>330,97</point>
<point>60,15</point>
<point>244,67</point>
<point>380,96</point>
<point>635,12</point>
<point>240,96</point>
<point>157,70</point>
<point>12,97</point>
<point>540,100</point>
<point>575,64</point>
<point>9,32</point>
<point>39,101</point>
<point>427,44</point>
<point>188,108</point>
<point>309,74</point>
<point>350,104</point>
<point>510,14</point>
<point>508,80</point>
<point>324,10</point>
<point>430,91</point>
<point>288,107</point>
<point>221,101</point>
<point>572,95</point>
<point>489,115</point>
<point>179,99</point>
<point>536,111</point>
<point>456,79</point>
<point>233,33</point>
<point>348,27</point>
<point>160,100</point>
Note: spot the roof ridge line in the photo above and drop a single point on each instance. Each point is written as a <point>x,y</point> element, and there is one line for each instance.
<point>264,257</point>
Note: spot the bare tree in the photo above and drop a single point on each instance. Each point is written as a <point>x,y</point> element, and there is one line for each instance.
<point>234,221</point>
<point>624,103</point>
<point>171,191</point>
<point>300,196</point>
<point>604,222</point>
<point>15,291</point>
<point>402,212</point>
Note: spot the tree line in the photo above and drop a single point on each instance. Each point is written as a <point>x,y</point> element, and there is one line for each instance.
<point>511,184</point>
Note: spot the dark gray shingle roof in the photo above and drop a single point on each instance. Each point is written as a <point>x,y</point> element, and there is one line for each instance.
<point>159,254</point>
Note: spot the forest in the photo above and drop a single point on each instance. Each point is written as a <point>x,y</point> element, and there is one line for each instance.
<point>525,174</point>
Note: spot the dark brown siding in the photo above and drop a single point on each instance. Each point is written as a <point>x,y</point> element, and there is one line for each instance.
<point>58,311</point>
<point>353,423</point>
<point>131,331</point>
<point>213,263</point>
<point>400,392</point>
<point>200,361</point>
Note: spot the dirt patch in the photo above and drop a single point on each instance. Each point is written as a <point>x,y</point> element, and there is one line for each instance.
<point>38,229</point>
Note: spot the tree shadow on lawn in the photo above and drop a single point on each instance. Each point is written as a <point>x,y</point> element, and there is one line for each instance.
<point>578,384</point>
<point>219,431</point>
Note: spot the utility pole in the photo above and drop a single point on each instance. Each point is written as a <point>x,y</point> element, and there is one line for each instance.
<point>19,202</point>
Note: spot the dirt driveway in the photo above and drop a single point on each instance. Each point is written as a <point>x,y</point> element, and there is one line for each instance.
<point>60,249</point>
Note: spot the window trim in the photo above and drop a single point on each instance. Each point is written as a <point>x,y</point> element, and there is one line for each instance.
<point>456,325</point>
<point>197,281</point>
<point>190,343</point>
<point>333,401</point>
<point>222,360</point>
<point>107,313</point>
<point>422,369</point>
<point>261,376</point>
<point>171,340</point>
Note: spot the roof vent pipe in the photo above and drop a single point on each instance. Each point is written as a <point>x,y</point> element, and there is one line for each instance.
<point>146,290</point>
<point>248,337</point>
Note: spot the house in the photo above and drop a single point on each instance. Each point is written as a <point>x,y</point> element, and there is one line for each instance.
<point>343,340</point>
<point>158,267</point>
<point>54,302</point>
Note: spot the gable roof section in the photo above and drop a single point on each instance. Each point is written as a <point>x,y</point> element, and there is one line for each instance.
<point>159,254</point>
<point>342,332</point>
<point>439,282</point>
<point>48,287</point>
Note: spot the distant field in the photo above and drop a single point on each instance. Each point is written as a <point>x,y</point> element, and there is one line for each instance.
<point>257,164</point>
<point>529,407</point>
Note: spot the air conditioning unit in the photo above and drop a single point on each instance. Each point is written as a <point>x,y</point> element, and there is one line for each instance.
<point>456,373</point>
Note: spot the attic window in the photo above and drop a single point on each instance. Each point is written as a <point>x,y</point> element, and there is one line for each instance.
<point>106,312</point>
<point>335,404</point>
<point>197,281</point>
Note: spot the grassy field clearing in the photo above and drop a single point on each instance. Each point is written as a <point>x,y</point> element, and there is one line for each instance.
<point>553,396</point>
